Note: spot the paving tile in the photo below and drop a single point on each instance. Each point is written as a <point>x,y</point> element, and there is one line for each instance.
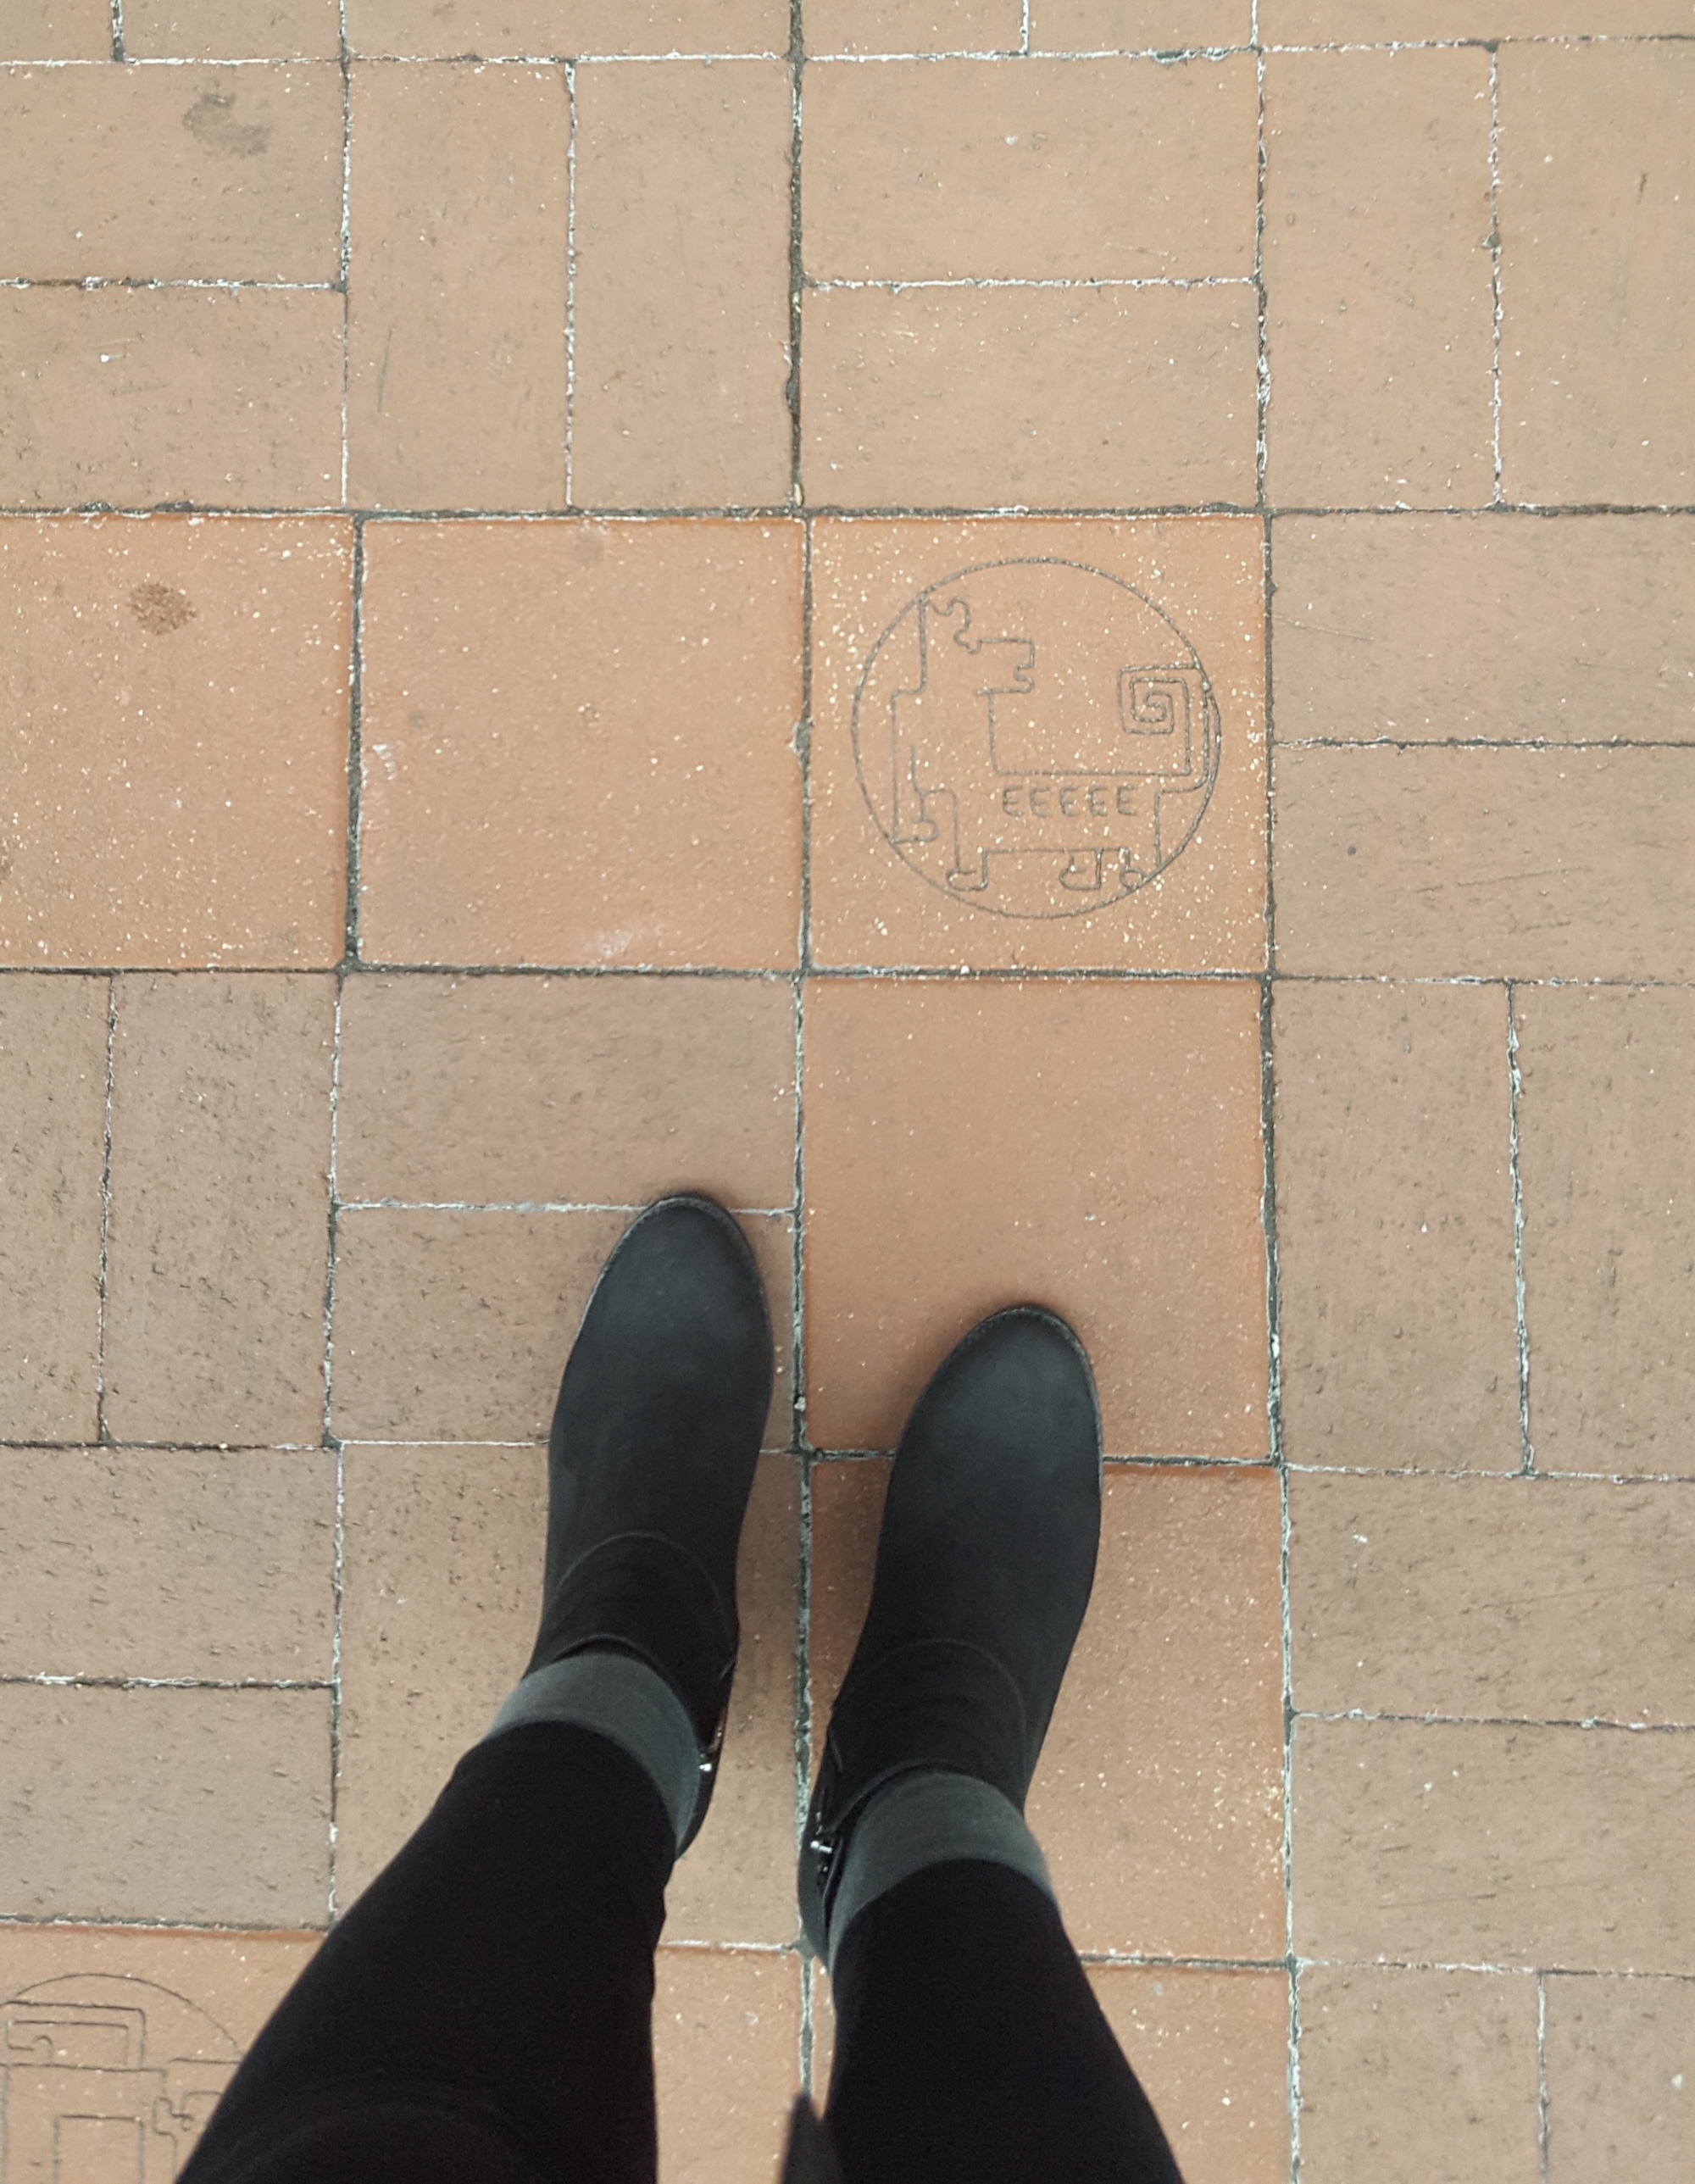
<point>913,26</point>
<point>680,344</point>
<point>1212,2051</point>
<point>520,804</point>
<point>1120,169</point>
<point>999,398</point>
<point>1158,1800</point>
<point>457,288</point>
<point>456,1326</point>
<point>56,31</point>
<point>1138,25</point>
<point>232,30</point>
<point>1548,1601</point>
<point>885,594</point>
<point>170,173</point>
<point>178,1563</point>
<point>1621,2070</point>
<point>219,1226</point>
<point>587,1091</point>
<point>174,695</point>
<point>1598,182</point>
<point>441,1583</point>
<point>1318,22</point>
<point>1519,864</point>
<point>1607,1159</point>
<point>1407,2075</point>
<point>1491,1843</point>
<point>1426,628</point>
<point>1147,1238</point>
<point>726,2037</point>
<point>204,1806</point>
<point>53,1094</point>
<point>1397,1311</point>
<point>1380,309</point>
<point>454,27</point>
<point>137,398</point>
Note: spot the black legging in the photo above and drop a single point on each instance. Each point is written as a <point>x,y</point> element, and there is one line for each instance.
<point>482,2014</point>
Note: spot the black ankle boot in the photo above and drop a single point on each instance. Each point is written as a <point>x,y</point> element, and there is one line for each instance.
<point>651,1458</point>
<point>983,1569</point>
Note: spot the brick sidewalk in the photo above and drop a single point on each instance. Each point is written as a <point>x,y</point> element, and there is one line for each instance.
<point>1052,646</point>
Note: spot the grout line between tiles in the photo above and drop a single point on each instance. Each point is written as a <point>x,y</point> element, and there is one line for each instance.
<point>1527,1456</point>
<point>834,512</point>
<point>1495,268</point>
<point>797,253</point>
<point>337,1535</point>
<point>355,781</point>
<point>1588,1721</point>
<point>1024,27</point>
<point>570,276</point>
<point>103,1432</point>
<point>897,287</point>
<point>345,245</point>
<point>81,1683</point>
<point>1262,327</point>
<point>1541,2078</point>
<point>117,53</point>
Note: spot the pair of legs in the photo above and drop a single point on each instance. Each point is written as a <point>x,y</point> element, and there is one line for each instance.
<point>482,2015</point>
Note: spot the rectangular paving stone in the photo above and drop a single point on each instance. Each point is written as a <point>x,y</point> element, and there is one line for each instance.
<point>1491,1843</point>
<point>219,1229</point>
<point>170,173</point>
<point>1427,628</point>
<point>1621,2066</point>
<point>441,1589</point>
<point>1025,1183</point>
<point>208,1808</point>
<point>1321,22</point>
<point>1606,1156</point>
<point>531,27</point>
<point>727,2051</point>
<point>232,30</point>
<point>53,1095</point>
<point>57,30</point>
<point>1196,594</point>
<point>456,1326</point>
<point>1138,25</point>
<point>913,26</point>
<point>1398,1319</point>
<point>1037,398</point>
<point>457,296</point>
<point>136,397</point>
<point>596,1091</point>
<point>1571,1600</point>
<point>1408,2074</point>
<point>1119,170</point>
<point>1212,2051</point>
<point>167,1563</point>
<point>173,696</point>
<point>1518,863</point>
<point>1598,200</point>
<point>1381,311</point>
<point>520,804</point>
<point>680,344</point>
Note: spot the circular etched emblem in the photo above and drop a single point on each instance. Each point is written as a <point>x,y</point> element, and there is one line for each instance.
<point>1035,737</point>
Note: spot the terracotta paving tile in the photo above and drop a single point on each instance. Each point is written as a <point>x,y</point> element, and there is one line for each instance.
<point>1318,22</point>
<point>1138,25</point>
<point>998,398</point>
<point>441,1583</point>
<point>566,841</point>
<point>457,310</point>
<point>1148,1239</point>
<point>53,1095</point>
<point>175,700</point>
<point>456,1326</point>
<point>218,1233</point>
<point>1398,1312</point>
<point>56,31</point>
<point>1212,2051</point>
<point>883,605</point>
<point>913,26</point>
<point>1593,401</point>
<point>1566,1600</point>
<point>1422,628</point>
<point>232,30</point>
<point>1158,1800</point>
<point>1606,1154</point>
<point>170,173</point>
<point>1519,864</point>
<point>203,1806</point>
<point>1491,1843</point>
<point>1620,2064</point>
<point>1381,312</point>
<point>587,1091</point>
<point>1119,170</point>
<point>247,1542</point>
<point>726,2036</point>
<point>680,349</point>
<point>1407,2075</point>
<point>450,28</point>
<point>135,397</point>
